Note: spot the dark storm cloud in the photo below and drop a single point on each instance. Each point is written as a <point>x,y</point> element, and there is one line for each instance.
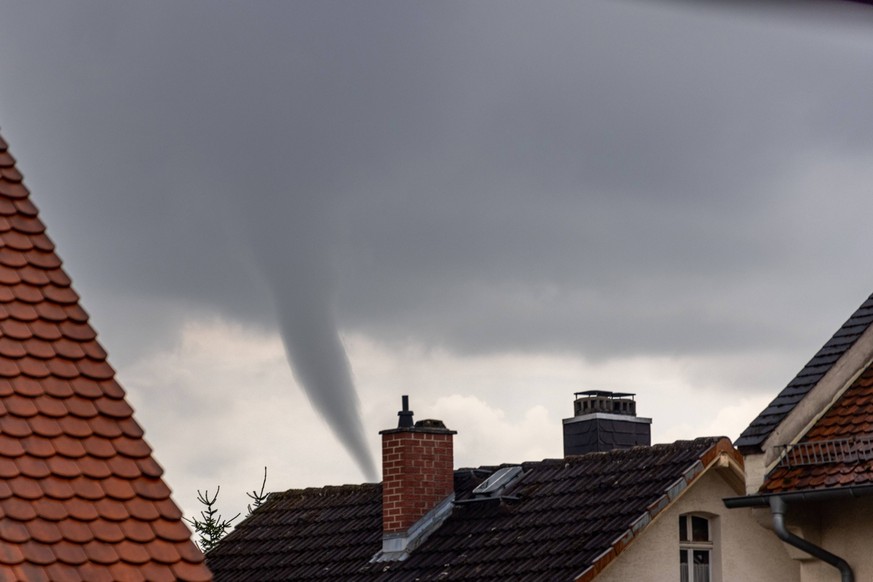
<point>602,178</point>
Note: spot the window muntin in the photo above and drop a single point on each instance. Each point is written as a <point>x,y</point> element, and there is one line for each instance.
<point>695,551</point>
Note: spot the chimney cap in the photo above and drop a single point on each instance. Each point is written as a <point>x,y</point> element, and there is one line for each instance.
<point>604,394</point>
<point>430,423</point>
<point>406,424</point>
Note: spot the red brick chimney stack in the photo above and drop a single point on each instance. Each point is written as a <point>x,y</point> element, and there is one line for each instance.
<point>417,471</point>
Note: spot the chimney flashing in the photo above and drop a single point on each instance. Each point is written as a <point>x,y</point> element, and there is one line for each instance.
<point>397,546</point>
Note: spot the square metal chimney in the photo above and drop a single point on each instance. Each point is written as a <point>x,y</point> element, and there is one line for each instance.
<point>604,421</point>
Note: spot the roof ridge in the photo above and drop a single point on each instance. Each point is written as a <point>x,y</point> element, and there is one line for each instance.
<point>81,496</point>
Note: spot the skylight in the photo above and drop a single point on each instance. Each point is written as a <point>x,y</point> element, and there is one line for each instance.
<point>494,485</point>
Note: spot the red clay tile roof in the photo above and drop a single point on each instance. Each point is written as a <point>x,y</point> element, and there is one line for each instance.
<point>562,519</point>
<point>850,417</point>
<point>769,418</point>
<point>81,497</point>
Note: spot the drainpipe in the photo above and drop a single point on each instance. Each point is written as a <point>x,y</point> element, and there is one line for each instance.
<point>778,507</point>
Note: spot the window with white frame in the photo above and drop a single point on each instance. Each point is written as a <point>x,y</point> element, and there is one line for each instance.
<point>695,549</point>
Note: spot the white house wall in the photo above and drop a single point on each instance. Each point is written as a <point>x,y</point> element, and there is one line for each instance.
<point>746,550</point>
<point>846,530</point>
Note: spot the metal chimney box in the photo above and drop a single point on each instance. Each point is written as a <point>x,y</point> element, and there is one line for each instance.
<point>604,421</point>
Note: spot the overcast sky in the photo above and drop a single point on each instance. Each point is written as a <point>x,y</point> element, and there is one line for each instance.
<point>282,216</point>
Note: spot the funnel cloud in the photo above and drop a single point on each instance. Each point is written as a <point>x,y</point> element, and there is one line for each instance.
<point>320,363</point>
<point>604,181</point>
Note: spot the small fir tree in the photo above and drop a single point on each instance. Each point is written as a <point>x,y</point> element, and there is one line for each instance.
<point>213,527</point>
<point>257,497</point>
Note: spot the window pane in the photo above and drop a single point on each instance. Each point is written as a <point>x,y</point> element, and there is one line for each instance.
<point>701,566</point>
<point>683,528</point>
<point>699,529</point>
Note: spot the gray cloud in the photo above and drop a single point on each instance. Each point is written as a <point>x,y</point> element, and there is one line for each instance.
<point>600,178</point>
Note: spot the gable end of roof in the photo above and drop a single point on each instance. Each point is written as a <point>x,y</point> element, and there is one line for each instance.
<point>752,439</point>
<point>719,447</point>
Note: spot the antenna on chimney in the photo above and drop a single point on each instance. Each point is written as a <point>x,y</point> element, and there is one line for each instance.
<point>405,420</point>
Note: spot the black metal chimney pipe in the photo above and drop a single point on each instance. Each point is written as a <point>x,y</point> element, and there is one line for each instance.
<point>405,420</point>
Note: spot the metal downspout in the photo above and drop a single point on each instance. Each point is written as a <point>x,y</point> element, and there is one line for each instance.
<point>778,508</point>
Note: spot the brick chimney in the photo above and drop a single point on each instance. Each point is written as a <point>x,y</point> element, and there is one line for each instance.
<point>417,482</point>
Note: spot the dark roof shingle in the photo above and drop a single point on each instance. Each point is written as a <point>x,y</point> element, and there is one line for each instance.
<point>81,497</point>
<point>553,524</point>
<point>759,430</point>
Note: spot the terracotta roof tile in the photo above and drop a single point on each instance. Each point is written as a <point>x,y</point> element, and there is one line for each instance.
<point>36,368</point>
<point>50,406</point>
<point>80,495</point>
<point>162,575</point>
<point>133,553</point>
<point>123,572</point>
<point>150,468</point>
<point>173,531</point>
<point>45,426</point>
<point>186,570</point>
<point>58,571</point>
<point>51,312</point>
<point>33,468</point>
<point>10,447</point>
<point>18,509</point>
<point>87,388</point>
<point>70,552</point>
<point>44,531</point>
<point>140,531</point>
<point>36,446</point>
<point>143,510</point>
<point>107,531</point>
<point>11,554</point>
<point>46,330</point>
<point>57,276</point>
<point>68,349</point>
<point>23,487</point>
<point>13,532</point>
<point>99,447</point>
<point>38,348</point>
<point>9,276</point>
<point>81,407</point>
<point>62,368</point>
<point>56,488</point>
<point>96,469</point>
<point>851,416</point>
<point>8,368</point>
<point>77,532</point>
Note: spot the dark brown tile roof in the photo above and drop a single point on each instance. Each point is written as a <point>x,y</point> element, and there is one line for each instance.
<point>81,497</point>
<point>760,428</point>
<point>562,518</point>
<point>850,417</point>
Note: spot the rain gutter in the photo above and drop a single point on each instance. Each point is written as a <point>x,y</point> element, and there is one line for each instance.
<point>778,504</point>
